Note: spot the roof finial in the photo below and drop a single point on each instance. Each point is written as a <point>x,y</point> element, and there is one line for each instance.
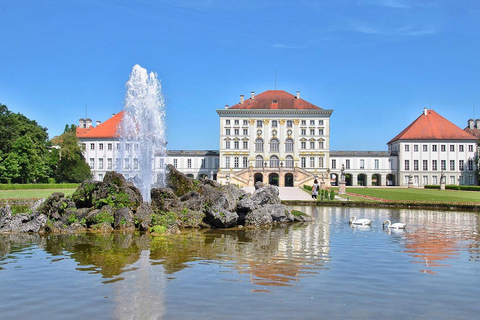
<point>425,111</point>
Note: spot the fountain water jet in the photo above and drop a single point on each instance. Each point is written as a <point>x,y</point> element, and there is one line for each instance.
<point>142,132</point>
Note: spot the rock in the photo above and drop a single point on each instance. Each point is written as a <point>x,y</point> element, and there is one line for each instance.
<point>143,216</point>
<point>5,212</point>
<point>23,222</point>
<point>164,200</point>
<point>83,196</point>
<point>56,206</point>
<point>123,219</point>
<point>258,217</point>
<point>221,218</point>
<point>180,183</point>
<point>259,185</point>
<point>266,195</point>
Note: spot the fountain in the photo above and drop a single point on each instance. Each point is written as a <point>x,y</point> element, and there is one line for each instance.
<point>142,132</point>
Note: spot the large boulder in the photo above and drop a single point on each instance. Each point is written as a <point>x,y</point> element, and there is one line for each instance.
<point>164,200</point>
<point>22,222</point>
<point>180,183</point>
<point>123,219</point>
<point>266,195</point>
<point>143,216</point>
<point>57,206</point>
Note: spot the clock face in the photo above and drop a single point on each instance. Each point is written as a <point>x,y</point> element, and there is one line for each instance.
<point>289,132</point>
<point>274,132</point>
<point>259,132</point>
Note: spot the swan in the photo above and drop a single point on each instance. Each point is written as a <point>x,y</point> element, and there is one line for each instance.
<point>396,225</point>
<point>363,222</point>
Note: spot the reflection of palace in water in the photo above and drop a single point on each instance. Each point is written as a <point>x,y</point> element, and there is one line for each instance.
<point>435,236</point>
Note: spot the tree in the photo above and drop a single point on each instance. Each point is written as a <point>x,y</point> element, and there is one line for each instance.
<point>72,166</point>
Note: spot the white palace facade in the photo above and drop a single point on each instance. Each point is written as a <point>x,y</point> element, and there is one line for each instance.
<point>281,139</point>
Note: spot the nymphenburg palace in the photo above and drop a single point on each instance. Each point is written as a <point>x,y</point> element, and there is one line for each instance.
<point>281,139</point>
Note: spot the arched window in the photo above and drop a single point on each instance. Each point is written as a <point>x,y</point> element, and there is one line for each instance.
<point>274,162</point>
<point>259,145</point>
<point>289,145</point>
<point>289,162</point>
<point>258,162</point>
<point>274,145</point>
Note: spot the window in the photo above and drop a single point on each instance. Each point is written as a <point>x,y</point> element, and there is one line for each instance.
<point>109,146</point>
<point>407,164</point>
<point>461,165</point>
<point>320,162</point>
<point>202,165</point>
<point>118,146</point>
<point>334,164</point>
<point>259,162</point>
<point>109,163</point>
<point>407,148</point>
<point>235,162</point>
<point>274,123</point>
<point>425,180</point>
<point>118,163</point>
<point>189,163</point>
<point>259,145</point>
<point>227,122</point>
<point>312,145</point>
<point>470,165</point>
<point>274,163</point>
<point>162,163</point>
<point>425,148</point>
<point>434,148</point>
<point>434,180</point>
<point>452,165</point>
<point>289,123</point>
<point>377,164</point>
<point>236,131</point>
<point>100,163</point>
<point>434,165</point>
<point>460,148</point>
<point>127,146</point>
<point>452,180</point>
<point>227,144</point>
<point>135,164</point>
<point>320,122</point>
<point>289,145</point>
<point>274,145</point>
<point>259,123</point>
<point>303,132</point>
<point>245,122</point>
<point>442,148</point>
<point>452,148</point>
<point>362,164</point>
<point>236,145</point>
<point>470,148</point>
<point>320,145</point>
<point>175,163</point>
<point>92,146</point>
<point>92,163</point>
<point>245,144</point>
<point>415,148</point>
<point>135,147</point>
<point>312,132</point>
<point>289,162</point>
<point>312,162</point>
<point>126,164</point>
<point>425,165</point>
<point>320,132</point>
<point>312,122</point>
<point>227,132</point>
<point>303,162</point>
<point>237,122</point>
<point>245,132</point>
<point>347,164</point>
<point>303,145</point>
<point>100,177</point>
<point>304,122</point>
<point>443,165</point>
<point>227,162</point>
<point>245,162</point>
<point>100,146</point>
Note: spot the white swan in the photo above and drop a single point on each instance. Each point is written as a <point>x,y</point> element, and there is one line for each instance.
<point>396,225</point>
<point>362,222</point>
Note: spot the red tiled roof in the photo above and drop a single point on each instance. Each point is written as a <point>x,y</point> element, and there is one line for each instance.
<point>473,132</point>
<point>108,129</point>
<point>432,126</point>
<point>275,99</point>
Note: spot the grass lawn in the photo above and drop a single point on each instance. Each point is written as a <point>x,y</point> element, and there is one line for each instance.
<point>427,195</point>
<point>32,193</point>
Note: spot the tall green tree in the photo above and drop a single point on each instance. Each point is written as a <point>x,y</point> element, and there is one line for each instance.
<point>72,166</point>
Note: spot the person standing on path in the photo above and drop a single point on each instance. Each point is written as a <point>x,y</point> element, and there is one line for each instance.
<point>315,189</point>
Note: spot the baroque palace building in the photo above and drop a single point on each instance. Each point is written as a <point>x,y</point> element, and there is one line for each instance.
<point>274,137</point>
<point>278,138</point>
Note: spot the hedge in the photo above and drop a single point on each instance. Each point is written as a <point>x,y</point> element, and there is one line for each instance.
<point>454,187</point>
<point>30,186</point>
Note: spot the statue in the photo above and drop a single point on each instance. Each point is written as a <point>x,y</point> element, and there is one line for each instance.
<point>342,173</point>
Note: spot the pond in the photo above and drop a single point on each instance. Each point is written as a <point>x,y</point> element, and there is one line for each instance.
<point>320,270</point>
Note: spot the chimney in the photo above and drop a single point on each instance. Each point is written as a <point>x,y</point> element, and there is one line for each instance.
<point>425,110</point>
<point>252,95</point>
<point>241,99</point>
<point>226,106</point>
<point>298,94</point>
<point>81,123</point>
<point>88,123</point>
<point>471,124</point>
<point>477,123</point>
<point>98,122</point>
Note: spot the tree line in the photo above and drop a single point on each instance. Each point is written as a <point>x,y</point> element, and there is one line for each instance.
<point>28,156</point>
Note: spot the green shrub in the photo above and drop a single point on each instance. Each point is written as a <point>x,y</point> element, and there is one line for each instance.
<point>158,229</point>
<point>332,195</point>
<point>32,186</point>
<point>102,217</point>
<point>432,186</point>
<point>464,188</point>
<point>306,187</point>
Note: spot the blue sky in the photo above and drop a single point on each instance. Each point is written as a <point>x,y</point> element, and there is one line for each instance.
<point>376,63</point>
